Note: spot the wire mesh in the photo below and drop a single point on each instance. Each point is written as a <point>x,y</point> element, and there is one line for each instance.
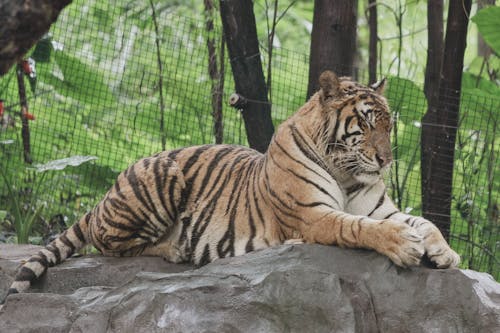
<point>98,94</point>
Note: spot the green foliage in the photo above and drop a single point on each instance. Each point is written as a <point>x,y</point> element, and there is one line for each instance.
<point>488,24</point>
<point>23,206</point>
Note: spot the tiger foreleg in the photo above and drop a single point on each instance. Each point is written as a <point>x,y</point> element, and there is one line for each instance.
<point>397,240</point>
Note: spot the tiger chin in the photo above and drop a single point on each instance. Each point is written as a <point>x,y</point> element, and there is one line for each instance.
<point>319,182</point>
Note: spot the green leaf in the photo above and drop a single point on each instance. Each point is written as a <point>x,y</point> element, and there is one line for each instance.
<point>488,24</point>
<point>43,50</point>
<point>406,98</point>
<point>63,163</point>
<point>80,81</point>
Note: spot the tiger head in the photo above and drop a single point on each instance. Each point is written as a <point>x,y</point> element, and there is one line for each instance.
<point>355,125</point>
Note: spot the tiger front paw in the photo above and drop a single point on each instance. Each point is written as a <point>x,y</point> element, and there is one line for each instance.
<point>400,242</point>
<point>442,255</point>
<point>436,248</point>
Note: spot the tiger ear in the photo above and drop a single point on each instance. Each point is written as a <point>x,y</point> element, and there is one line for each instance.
<point>330,85</point>
<point>379,86</point>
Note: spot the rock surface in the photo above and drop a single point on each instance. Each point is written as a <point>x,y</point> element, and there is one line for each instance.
<point>299,288</point>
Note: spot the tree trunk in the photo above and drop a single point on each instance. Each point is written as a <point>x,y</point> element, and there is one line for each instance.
<point>439,136</point>
<point>333,39</point>
<point>238,21</point>
<point>24,22</point>
<point>372,48</point>
<point>435,45</point>
<point>215,71</point>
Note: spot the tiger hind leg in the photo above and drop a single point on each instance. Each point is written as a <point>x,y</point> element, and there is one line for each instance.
<point>141,209</point>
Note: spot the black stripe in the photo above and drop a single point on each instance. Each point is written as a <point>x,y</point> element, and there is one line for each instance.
<point>53,248</point>
<point>248,206</point>
<point>369,188</point>
<point>256,201</point>
<point>78,231</point>
<point>306,150</point>
<point>25,274</point>
<point>337,123</point>
<point>117,190</point>
<point>306,180</point>
<point>299,162</point>
<point>354,188</point>
<point>186,222</point>
<point>194,158</point>
<point>311,204</point>
<point>160,179</point>
<point>205,258</point>
<point>389,215</point>
<point>283,223</point>
<point>379,203</point>
<point>173,153</point>
<point>211,168</point>
<point>11,291</point>
<point>171,196</point>
<point>123,210</point>
<point>63,238</point>
<point>348,135</point>
<point>136,184</point>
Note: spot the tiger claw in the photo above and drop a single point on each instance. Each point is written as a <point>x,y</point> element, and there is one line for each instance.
<point>444,257</point>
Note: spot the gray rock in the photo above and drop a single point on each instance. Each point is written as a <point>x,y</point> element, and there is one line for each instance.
<point>300,288</point>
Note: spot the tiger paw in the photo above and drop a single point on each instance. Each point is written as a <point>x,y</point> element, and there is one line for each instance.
<point>401,243</point>
<point>442,255</point>
<point>294,241</point>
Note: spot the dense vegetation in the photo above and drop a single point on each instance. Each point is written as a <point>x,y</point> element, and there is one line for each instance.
<point>98,94</point>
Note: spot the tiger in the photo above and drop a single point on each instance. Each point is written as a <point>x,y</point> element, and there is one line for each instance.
<point>320,181</point>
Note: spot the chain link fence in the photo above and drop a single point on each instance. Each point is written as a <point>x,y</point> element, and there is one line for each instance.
<point>117,81</point>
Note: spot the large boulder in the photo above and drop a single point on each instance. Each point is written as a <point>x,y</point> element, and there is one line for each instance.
<point>299,288</point>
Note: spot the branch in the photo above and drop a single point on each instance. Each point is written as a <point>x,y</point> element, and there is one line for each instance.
<point>24,22</point>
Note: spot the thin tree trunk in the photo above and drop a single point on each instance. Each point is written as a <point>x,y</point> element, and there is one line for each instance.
<point>333,39</point>
<point>372,48</point>
<point>215,71</point>
<point>24,22</point>
<point>440,135</point>
<point>23,101</point>
<point>238,21</point>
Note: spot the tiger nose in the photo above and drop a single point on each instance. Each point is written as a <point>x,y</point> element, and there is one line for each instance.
<point>383,159</point>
